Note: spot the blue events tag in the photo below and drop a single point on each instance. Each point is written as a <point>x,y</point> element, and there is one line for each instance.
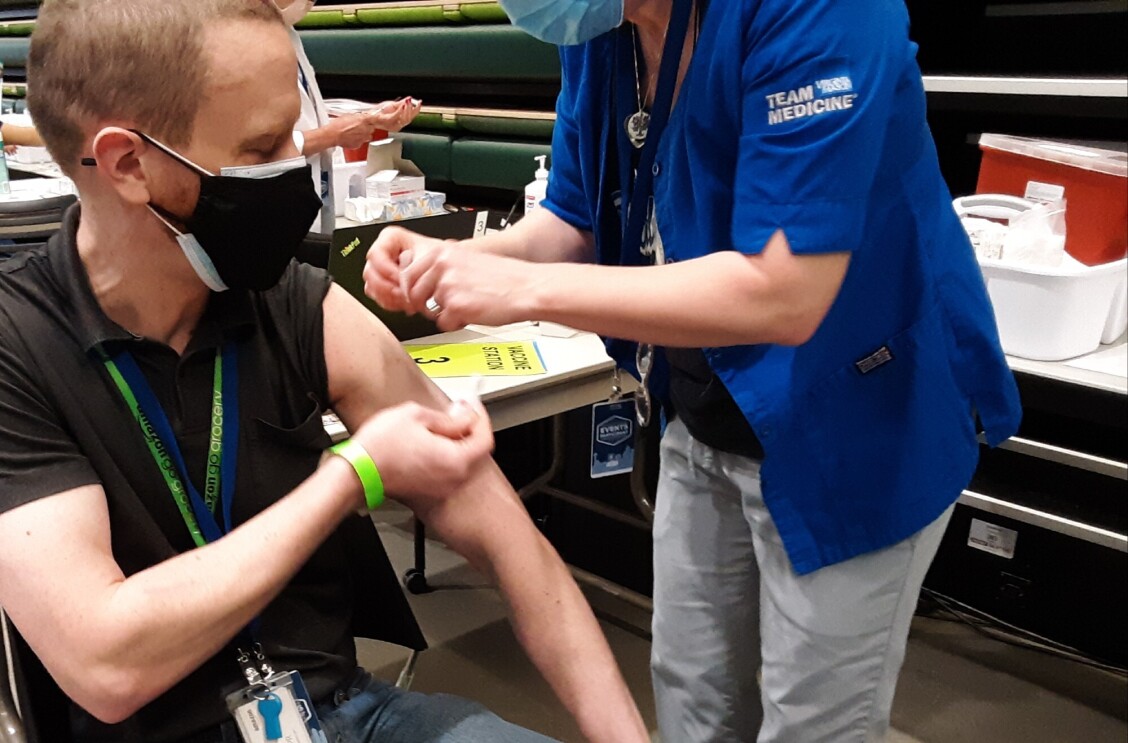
<point>612,438</point>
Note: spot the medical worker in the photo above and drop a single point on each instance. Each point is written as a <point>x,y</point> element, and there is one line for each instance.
<point>745,200</point>
<point>318,135</point>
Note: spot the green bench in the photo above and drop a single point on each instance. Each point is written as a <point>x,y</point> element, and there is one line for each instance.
<point>354,15</point>
<point>13,51</point>
<point>473,162</point>
<point>470,53</point>
<point>427,12</point>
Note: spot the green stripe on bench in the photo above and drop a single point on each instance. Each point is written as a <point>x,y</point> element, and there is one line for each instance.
<point>17,28</point>
<point>424,16</point>
<point>327,19</point>
<point>431,121</point>
<point>484,13</point>
<point>421,15</point>
<point>505,126</point>
<point>494,123</point>
<point>418,14</point>
<point>471,53</point>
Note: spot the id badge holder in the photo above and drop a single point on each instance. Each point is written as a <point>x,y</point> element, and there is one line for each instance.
<point>274,708</point>
<point>612,437</point>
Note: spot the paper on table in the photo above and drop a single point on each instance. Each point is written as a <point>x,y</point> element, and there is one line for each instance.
<point>525,330</point>
<point>1112,360</point>
<point>498,359</point>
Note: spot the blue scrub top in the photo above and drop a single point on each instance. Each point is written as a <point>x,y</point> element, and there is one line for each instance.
<point>809,117</point>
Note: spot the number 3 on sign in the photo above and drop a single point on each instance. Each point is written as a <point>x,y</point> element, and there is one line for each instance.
<point>439,360</point>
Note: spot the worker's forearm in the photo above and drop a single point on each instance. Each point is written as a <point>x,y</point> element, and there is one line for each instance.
<point>24,136</point>
<point>718,300</point>
<point>550,616</point>
<point>541,237</point>
<point>160,624</point>
<point>318,140</point>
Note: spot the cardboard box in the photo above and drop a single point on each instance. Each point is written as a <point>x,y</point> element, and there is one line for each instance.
<point>387,154</point>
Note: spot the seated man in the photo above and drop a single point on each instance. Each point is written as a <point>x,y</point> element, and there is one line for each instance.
<point>163,370</point>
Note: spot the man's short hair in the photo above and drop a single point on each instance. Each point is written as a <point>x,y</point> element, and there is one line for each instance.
<point>136,61</point>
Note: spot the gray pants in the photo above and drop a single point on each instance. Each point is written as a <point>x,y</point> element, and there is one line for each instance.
<point>727,603</point>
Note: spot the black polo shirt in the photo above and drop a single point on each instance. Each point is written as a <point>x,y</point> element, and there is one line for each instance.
<point>63,424</point>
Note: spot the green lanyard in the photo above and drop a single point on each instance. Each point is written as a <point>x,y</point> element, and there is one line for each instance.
<point>164,449</point>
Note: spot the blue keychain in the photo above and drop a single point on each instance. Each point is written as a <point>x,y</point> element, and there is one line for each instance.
<point>270,707</point>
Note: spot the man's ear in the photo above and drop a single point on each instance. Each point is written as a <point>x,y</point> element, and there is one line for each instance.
<point>117,154</point>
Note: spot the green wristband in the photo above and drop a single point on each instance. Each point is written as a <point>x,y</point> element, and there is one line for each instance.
<point>356,455</point>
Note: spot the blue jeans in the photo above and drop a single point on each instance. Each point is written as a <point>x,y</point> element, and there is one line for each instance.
<point>378,712</point>
<point>372,711</point>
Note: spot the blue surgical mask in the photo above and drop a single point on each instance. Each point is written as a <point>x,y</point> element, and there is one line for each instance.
<point>564,22</point>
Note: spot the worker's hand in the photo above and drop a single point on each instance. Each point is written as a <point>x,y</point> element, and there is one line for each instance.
<point>351,130</point>
<point>393,116</point>
<point>424,454</point>
<point>382,279</point>
<point>457,286</point>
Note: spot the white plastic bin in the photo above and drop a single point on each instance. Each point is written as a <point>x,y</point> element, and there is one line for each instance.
<point>1050,314</point>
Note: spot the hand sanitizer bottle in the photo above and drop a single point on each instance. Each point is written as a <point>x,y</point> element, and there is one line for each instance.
<point>535,191</point>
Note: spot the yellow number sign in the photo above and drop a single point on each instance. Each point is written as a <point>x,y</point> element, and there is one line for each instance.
<point>501,359</point>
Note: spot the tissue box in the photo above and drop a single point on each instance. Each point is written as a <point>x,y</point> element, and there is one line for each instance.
<point>1094,183</point>
<point>1051,314</point>
<point>427,205</point>
<point>370,209</point>
<point>395,186</point>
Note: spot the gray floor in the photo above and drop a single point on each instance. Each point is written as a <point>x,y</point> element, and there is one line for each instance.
<point>956,685</point>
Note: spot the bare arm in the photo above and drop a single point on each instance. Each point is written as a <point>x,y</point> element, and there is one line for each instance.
<point>540,237</point>
<point>355,130</point>
<point>113,643</point>
<point>25,136</point>
<point>722,299</point>
<point>351,131</point>
<point>483,520</point>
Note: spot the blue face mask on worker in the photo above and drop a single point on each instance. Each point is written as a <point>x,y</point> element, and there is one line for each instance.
<point>248,221</point>
<point>564,23</point>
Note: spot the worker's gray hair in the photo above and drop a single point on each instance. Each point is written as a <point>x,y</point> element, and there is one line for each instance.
<point>138,63</point>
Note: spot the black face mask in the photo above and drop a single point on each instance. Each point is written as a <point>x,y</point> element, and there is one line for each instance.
<point>248,222</point>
